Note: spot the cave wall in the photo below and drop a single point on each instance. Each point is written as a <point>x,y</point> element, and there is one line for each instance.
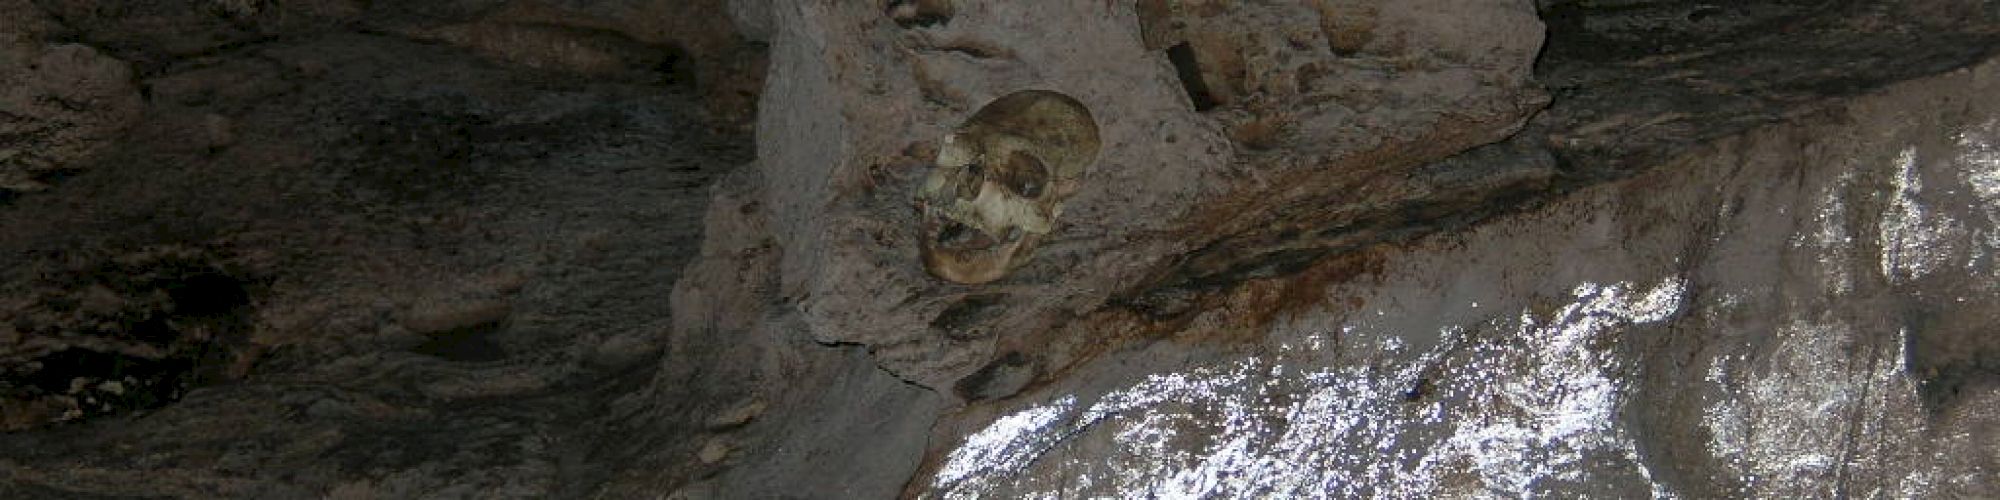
<point>1804,310</point>
<point>1243,299</point>
<point>334,249</point>
<point>859,100</point>
<point>1337,247</point>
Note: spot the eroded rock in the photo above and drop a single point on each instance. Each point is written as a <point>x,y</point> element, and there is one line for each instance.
<point>133,332</point>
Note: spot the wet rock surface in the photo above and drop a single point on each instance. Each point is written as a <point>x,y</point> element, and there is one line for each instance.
<point>586,249</point>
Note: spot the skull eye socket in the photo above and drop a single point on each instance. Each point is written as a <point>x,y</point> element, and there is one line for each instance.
<point>956,235</point>
<point>1024,175</point>
<point>998,181</point>
<point>954,232</point>
<point>970,188</point>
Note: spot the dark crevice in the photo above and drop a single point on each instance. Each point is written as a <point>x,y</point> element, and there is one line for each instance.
<point>920,13</point>
<point>135,333</point>
<point>465,345</point>
<point>1189,70</point>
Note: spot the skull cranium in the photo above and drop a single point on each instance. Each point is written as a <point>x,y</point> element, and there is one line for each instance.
<point>999,181</point>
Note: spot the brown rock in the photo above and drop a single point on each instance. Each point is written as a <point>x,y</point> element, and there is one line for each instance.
<point>449,317</point>
<point>70,102</point>
<point>737,416</point>
<point>714,451</point>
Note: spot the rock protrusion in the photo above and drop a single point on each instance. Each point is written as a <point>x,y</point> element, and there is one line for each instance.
<point>59,104</point>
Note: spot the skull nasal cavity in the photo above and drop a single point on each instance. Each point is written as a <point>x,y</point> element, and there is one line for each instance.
<point>1024,175</point>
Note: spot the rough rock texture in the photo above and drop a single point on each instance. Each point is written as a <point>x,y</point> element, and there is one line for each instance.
<point>329,260</point>
<point>58,104</point>
<point>1804,310</point>
<point>858,101</point>
<point>1641,79</point>
<point>1417,248</point>
<point>1247,171</point>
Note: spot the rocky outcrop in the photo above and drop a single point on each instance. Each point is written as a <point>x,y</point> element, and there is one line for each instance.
<point>1253,177</point>
<point>860,103</point>
<point>1801,310</point>
<point>523,248</point>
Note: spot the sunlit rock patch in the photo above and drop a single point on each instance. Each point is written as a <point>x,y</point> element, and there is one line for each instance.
<point>1505,406</point>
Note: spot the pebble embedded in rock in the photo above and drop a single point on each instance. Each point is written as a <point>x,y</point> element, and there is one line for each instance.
<point>737,416</point>
<point>219,130</point>
<point>714,451</point>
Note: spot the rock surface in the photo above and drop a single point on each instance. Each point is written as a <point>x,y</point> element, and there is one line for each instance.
<point>444,265</point>
<point>1234,197</point>
<point>61,103</point>
<point>857,100</point>
<point>586,249</point>
<point>1803,310</point>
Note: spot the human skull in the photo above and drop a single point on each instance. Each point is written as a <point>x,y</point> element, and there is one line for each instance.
<point>999,181</point>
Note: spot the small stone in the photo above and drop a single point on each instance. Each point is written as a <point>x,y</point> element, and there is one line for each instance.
<point>113,387</point>
<point>311,69</point>
<point>220,131</point>
<point>906,12</point>
<point>99,300</point>
<point>622,351</point>
<point>737,416</point>
<point>714,451</point>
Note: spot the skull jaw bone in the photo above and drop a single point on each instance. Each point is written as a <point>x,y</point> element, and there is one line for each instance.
<point>982,260</point>
<point>979,222</point>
